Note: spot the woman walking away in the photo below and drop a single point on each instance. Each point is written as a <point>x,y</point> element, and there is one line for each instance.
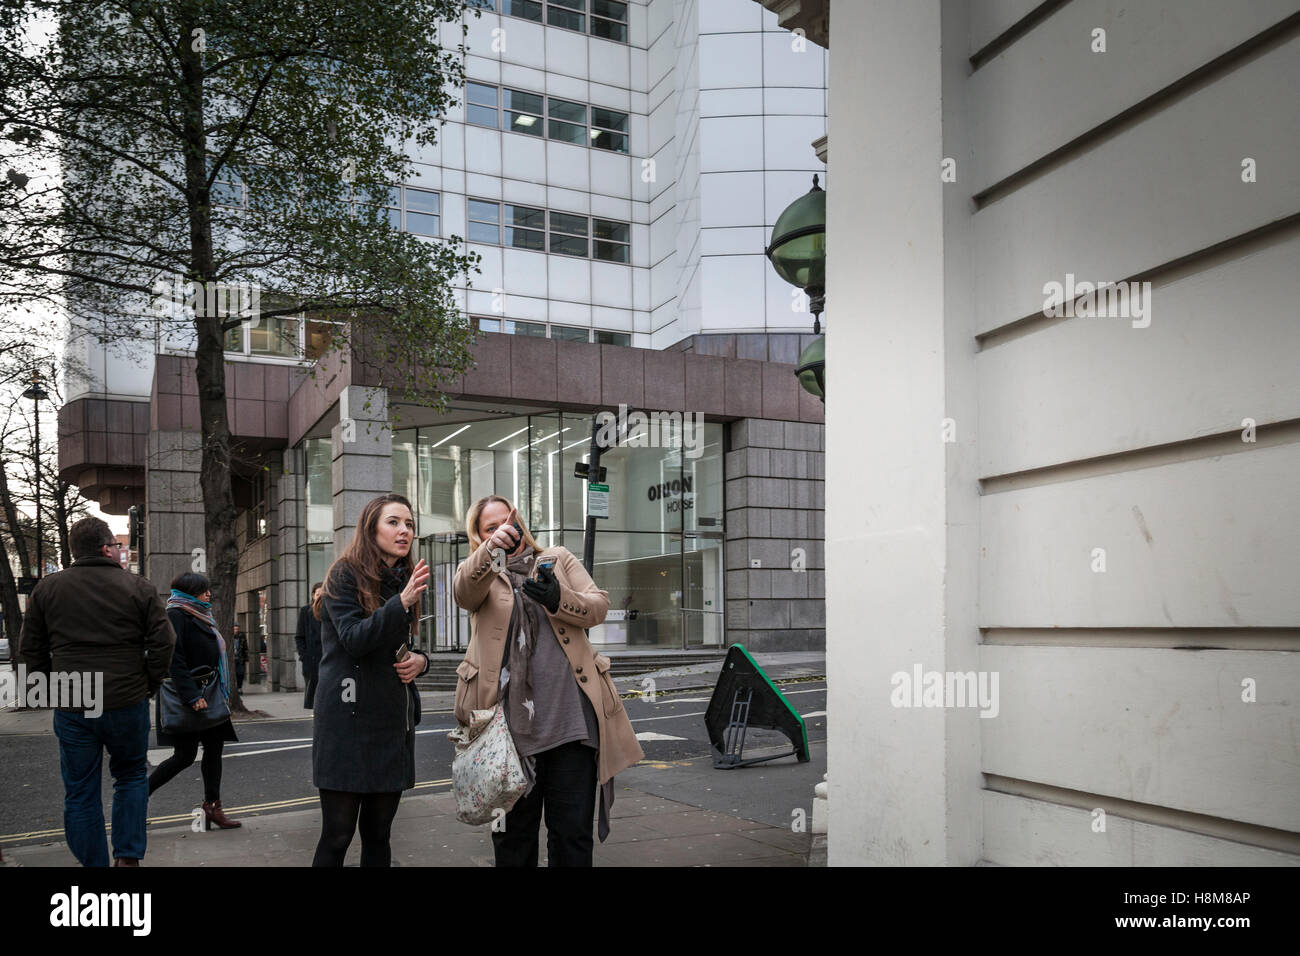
<point>363,738</point>
<point>528,646</point>
<point>198,644</point>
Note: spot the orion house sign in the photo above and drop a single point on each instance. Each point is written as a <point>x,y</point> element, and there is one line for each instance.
<point>674,494</point>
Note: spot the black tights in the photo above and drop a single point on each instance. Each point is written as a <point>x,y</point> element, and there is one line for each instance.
<point>184,751</point>
<point>339,811</point>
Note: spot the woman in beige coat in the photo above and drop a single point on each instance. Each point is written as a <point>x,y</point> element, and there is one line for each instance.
<point>529,609</point>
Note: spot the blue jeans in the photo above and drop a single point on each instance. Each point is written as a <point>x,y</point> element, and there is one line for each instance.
<point>125,732</point>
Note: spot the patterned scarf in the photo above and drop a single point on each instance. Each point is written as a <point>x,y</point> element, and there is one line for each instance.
<point>521,639</point>
<point>202,611</point>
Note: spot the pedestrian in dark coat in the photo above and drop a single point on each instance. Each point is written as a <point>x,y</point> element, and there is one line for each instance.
<point>198,644</point>
<point>363,737</point>
<point>97,619</point>
<point>241,655</point>
<point>307,639</point>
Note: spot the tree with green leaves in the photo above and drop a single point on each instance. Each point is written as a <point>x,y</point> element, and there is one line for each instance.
<point>210,145</point>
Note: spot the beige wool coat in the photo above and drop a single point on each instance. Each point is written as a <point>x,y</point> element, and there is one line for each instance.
<point>488,597</point>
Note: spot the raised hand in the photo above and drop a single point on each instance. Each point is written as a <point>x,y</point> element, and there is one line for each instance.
<point>415,586</point>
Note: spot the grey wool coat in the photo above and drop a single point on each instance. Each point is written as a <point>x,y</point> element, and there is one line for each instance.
<point>363,737</point>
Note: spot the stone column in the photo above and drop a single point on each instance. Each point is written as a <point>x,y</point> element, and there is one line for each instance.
<point>288,589</point>
<point>173,519</point>
<point>775,535</point>
<point>362,457</point>
<point>902,552</point>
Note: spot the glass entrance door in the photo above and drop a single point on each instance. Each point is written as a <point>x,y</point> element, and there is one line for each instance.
<point>443,626</point>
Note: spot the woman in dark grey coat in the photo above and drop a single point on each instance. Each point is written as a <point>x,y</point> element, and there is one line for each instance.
<point>363,739</point>
<point>198,644</point>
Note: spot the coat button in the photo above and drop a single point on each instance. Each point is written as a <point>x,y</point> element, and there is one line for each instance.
<point>579,670</point>
<point>583,678</point>
<point>565,639</point>
<point>561,630</point>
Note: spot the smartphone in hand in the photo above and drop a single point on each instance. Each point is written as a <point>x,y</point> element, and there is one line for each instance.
<point>403,653</point>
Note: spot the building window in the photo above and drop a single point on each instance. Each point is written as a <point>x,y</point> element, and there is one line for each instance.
<point>612,242</point>
<point>567,14</point>
<point>481,105</point>
<point>422,211</point>
<point>609,20</point>
<point>608,17</point>
<point>258,526</point>
<point>484,221</point>
<point>524,227</point>
<point>525,9</point>
<point>570,234</point>
<point>228,190</point>
<point>566,121</point>
<point>319,338</point>
<point>565,333</point>
<point>523,112</point>
<point>608,129</point>
<point>568,333</point>
<point>275,336</point>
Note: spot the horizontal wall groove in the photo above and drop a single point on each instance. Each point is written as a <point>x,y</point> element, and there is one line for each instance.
<point>1201,260</point>
<point>1014,32</point>
<point>1172,638</point>
<point>1249,834</point>
<point>1257,46</point>
<point>1267,435</point>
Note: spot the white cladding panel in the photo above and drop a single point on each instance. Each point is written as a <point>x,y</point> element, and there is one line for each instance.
<point>1022,832</point>
<point>1202,543</point>
<point>1223,345</point>
<point>1148,46</point>
<point>1169,186</point>
<point>1151,725</point>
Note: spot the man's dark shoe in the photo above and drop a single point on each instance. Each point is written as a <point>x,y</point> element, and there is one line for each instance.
<point>125,861</point>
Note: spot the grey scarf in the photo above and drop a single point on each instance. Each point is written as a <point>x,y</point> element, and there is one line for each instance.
<point>521,638</point>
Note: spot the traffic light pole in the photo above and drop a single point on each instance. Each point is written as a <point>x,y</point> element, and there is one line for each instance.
<point>593,474</point>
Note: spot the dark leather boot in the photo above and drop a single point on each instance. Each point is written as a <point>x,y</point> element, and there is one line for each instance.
<point>125,861</point>
<point>212,813</point>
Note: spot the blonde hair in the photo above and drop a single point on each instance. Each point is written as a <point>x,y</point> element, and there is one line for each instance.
<point>471,522</point>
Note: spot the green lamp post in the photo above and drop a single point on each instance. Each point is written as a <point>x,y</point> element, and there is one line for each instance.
<point>798,254</point>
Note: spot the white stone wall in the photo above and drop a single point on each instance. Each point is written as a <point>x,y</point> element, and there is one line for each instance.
<point>1073,439</point>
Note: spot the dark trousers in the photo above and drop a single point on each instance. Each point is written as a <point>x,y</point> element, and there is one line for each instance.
<point>124,733</point>
<point>340,811</point>
<point>184,751</point>
<point>239,675</point>
<point>565,791</point>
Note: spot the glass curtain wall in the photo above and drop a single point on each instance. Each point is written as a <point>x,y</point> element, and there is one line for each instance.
<point>659,554</point>
<point>316,512</point>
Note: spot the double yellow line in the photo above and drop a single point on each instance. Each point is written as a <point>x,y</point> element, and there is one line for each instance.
<point>230,811</point>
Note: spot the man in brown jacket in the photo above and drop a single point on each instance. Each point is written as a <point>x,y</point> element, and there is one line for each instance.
<point>101,622</point>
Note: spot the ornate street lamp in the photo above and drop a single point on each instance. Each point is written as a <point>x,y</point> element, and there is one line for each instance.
<point>798,254</point>
<point>811,370</point>
<point>37,394</point>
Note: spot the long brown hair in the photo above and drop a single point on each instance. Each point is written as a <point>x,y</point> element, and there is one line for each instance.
<point>471,522</point>
<point>364,559</point>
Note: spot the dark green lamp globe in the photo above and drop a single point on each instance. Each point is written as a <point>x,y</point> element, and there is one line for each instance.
<point>798,249</point>
<point>811,370</point>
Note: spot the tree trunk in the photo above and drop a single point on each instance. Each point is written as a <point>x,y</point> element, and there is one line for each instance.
<point>11,519</point>
<point>13,615</point>
<point>61,511</point>
<point>214,469</point>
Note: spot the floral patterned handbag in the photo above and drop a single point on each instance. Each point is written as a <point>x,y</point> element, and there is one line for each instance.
<point>486,773</point>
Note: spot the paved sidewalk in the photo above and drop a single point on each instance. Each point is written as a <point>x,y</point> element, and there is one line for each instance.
<point>645,830</point>
<point>648,827</point>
